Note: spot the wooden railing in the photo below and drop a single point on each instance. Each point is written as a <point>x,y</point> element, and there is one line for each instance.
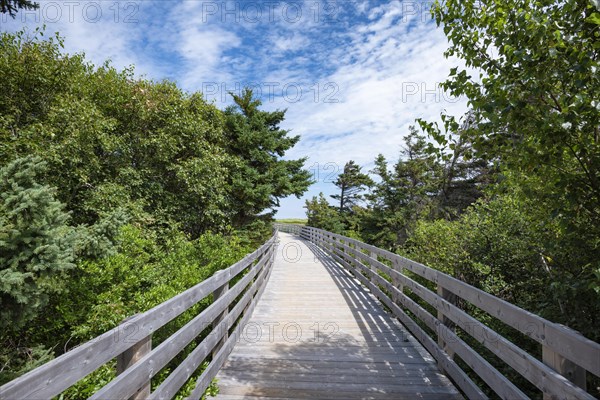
<point>566,354</point>
<point>289,228</point>
<point>130,342</point>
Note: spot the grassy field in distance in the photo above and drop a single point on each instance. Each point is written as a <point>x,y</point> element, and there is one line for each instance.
<point>297,221</point>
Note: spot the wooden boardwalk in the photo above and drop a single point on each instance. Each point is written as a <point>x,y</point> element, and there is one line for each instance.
<point>312,331</point>
<point>316,333</point>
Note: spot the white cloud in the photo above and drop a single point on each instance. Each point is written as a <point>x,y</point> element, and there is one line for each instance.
<point>201,45</point>
<point>388,77</point>
<point>102,30</point>
<point>381,62</point>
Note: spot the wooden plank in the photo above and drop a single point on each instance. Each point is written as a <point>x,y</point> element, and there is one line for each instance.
<point>320,367</point>
<point>171,385</point>
<point>531,368</point>
<point>443,320</point>
<point>446,363</point>
<point>217,362</point>
<point>561,339</point>
<point>59,374</point>
<point>464,382</point>
<point>220,292</point>
<point>279,393</point>
<point>333,376</point>
<point>129,381</point>
<point>390,388</point>
<point>368,337</point>
<point>131,356</point>
<point>501,385</point>
<point>566,368</point>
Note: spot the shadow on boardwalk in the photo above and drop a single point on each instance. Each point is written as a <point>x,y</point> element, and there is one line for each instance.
<point>355,350</point>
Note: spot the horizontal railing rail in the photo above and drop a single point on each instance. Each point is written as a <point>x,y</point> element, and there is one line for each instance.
<point>566,354</point>
<point>289,228</point>
<point>130,342</point>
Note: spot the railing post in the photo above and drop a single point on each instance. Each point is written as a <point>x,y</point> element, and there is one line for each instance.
<point>133,355</point>
<point>563,366</point>
<point>220,292</point>
<point>400,270</point>
<point>395,281</point>
<point>373,268</point>
<point>451,298</point>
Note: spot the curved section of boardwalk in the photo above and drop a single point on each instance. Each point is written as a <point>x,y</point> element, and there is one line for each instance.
<point>316,333</point>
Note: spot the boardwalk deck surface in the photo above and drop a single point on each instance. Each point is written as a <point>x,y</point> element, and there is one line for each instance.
<point>316,333</point>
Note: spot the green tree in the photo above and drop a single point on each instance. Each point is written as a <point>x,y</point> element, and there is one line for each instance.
<point>464,175</point>
<point>116,149</point>
<point>112,141</point>
<point>321,215</point>
<point>259,175</point>
<point>36,244</point>
<point>12,6</point>
<point>403,194</point>
<point>351,183</point>
<point>533,86</point>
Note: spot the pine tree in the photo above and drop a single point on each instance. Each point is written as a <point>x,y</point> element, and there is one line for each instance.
<point>259,175</point>
<point>12,6</point>
<point>351,183</point>
<point>403,194</point>
<point>36,245</point>
<point>321,215</point>
<point>464,174</point>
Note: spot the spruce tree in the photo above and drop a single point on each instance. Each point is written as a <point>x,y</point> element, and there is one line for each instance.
<point>36,244</point>
<point>259,177</point>
<point>12,6</point>
<point>351,183</point>
<point>321,215</point>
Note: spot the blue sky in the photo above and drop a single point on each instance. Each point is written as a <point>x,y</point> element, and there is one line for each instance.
<point>353,75</point>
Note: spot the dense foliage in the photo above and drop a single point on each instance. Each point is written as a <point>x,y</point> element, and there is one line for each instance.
<point>259,178</point>
<point>36,244</point>
<point>506,197</point>
<point>116,193</point>
<point>11,7</point>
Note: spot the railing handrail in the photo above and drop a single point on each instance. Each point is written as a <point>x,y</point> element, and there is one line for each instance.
<point>56,376</point>
<point>566,353</point>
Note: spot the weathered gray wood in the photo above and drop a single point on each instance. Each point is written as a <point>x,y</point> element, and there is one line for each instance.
<point>566,368</point>
<point>448,365</point>
<point>317,289</point>
<point>131,356</point>
<point>238,393</point>
<point>391,387</point>
<point>532,369</point>
<point>59,374</point>
<point>220,292</point>
<point>169,387</point>
<point>330,376</point>
<point>128,382</point>
<point>445,321</point>
<point>570,344</point>
<point>566,354</point>
<point>466,384</point>
<point>490,375</point>
<point>217,362</point>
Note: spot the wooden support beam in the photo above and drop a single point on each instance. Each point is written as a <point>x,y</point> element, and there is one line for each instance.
<point>220,292</point>
<point>565,367</point>
<point>447,322</point>
<point>133,355</point>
